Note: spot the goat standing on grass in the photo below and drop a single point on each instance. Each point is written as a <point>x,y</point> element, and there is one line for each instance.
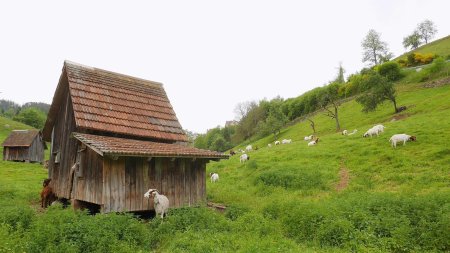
<point>160,202</point>
<point>401,138</point>
<point>244,158</point>
<point>47,195</point>
<point>214,177</point>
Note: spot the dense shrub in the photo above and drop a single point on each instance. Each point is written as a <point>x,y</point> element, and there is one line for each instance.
<point>68,231</point>
<point>17,217</point>
<point>395,223</point>
<point>416,59</point>
<point>390,70</point>
<point>234,212</point>
<point>437,65</point>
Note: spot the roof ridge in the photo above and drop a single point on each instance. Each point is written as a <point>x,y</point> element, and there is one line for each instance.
<point>114,74</point>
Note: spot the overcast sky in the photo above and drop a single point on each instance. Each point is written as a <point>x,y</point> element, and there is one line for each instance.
<point>210,55</point>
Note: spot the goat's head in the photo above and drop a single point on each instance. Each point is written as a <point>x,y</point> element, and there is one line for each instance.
<point>46,182</point>
<point>151,192</point>
<point>412,138</point>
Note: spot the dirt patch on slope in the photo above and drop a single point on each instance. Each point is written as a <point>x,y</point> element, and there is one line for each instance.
<point>437,83</point>
<point>399,117</point>
<point>344,179</point>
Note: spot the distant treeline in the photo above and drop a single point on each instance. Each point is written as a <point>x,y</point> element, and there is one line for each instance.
<point>32,113</point>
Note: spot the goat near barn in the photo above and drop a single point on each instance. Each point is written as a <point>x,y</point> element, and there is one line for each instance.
<point>47,195</point>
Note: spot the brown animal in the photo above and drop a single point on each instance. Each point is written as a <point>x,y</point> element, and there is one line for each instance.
<point>47,195</point>
<point>232,152</point>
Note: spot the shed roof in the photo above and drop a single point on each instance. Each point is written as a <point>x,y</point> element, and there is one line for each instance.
<point>111,102</point>
<point>20,138</point>
<point>114,146</point>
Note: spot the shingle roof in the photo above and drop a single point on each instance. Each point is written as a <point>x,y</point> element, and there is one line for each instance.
<point>20,138</point>
<point>114,146</point>
<point>112,102</point>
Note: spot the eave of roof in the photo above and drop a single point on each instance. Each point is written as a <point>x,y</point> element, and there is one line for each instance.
<point>113,146</point>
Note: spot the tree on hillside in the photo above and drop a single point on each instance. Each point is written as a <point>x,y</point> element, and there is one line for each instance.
<point>377,89</point>
<point>414,40</point>
<point>426,30</point>
<point>340,76</point>
<point>375,50</point>
<point>243,108</point>
<point>275,120</point>
<point>330,102</point>
<point>248,124</point>
<point>312,124</point>
<point>32,117</point>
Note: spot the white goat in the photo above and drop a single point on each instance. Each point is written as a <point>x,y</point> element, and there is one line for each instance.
<point>214,177</point>
<point>277,142</point>
<point>380,128</point>
<point>308,138</point>
<point>399,138</point>
<point>354,132</point>
<point>244,158</point>
<point>376,130</point>
<point>160,202</point>
<point>249,148</point>
<point>345,132</point>
<point>314,142</point>
<point>286,141</point>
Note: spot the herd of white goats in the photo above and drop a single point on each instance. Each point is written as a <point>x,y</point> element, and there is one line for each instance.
<point>161,202</point>
<point>313,140</point>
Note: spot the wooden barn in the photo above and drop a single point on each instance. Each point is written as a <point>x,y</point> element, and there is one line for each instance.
<point>24,146</point>
<point>113,137</point>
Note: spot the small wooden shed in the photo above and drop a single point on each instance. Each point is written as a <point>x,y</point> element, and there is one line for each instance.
<point>24,146</point>
<point>114,137</point>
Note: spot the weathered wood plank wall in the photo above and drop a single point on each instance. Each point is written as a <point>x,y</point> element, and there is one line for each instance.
<point>127,179</point>
<point>65,145</point>
<point>88,178</point>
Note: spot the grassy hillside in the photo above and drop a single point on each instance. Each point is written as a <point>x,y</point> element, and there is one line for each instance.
<point>440,47</point>
<point>346,194</point>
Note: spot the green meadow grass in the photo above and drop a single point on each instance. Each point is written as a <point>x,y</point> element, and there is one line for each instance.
<point>284,199</point>
<point>440,47</point>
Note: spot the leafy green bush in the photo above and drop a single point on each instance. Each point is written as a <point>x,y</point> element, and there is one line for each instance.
<point>17,217</point>
<point>437,65</point>
<point>68,231</point>
<point>32,117</point>
<point>416,59</point>
<point>390,70</point>
<point>395,223</point>
<point>234,212</point>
